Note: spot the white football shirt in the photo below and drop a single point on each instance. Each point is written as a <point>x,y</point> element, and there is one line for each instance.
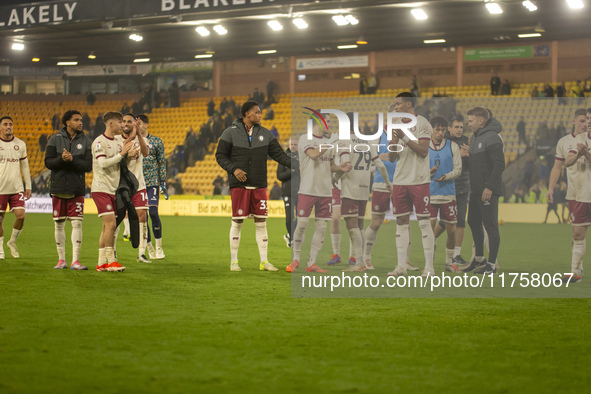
<point>411,168</point>
<point>105,149</point>
<point>136,164</point>
<point>315,175</point>
<point>11,154</point>
<point>583,175</point>
<point>564,146</point>
<point>355,183</point>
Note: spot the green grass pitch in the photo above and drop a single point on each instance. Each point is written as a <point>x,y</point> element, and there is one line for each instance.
<point>188,324</point>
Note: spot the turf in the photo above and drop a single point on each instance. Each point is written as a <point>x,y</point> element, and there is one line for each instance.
<point>188,324</point>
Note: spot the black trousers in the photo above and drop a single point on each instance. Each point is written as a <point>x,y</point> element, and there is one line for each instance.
<point>487,215</point>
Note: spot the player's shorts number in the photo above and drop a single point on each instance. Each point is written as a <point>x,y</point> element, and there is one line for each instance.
<point>263,204</point>
<point>426,200</point>
<point>453,210</point>
<point>21,197</point>
<point>79,207</point>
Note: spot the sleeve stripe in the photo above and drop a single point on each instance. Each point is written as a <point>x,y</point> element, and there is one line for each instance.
<point>100,156</point>
<point>24,158</point>
<point>375,157</point>
<point>345,153</point>
<point>572,151</point>
<point>308,148</point>
<point>424,139</point>
<point>559,158</point>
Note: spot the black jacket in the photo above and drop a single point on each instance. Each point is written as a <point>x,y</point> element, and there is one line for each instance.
<point>463,181</point>
<point>128,185</point>
<point>236,150</point>
<point>68,177</point>
<point>487,160</point>
<point>288,175</point>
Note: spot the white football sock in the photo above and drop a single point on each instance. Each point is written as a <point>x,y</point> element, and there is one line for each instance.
<point>143,239</point>
<point>370,239</point>
<point>102,257</point>
<point>579,248</point>
<point>234,240</point>
<point>317,240</point>
<point>15,234</point>
<point>457,251</point>
<point>110,252</point>
<point>408,249</point>
<point>60,239</point>
<point>126,227</point>
<point>356,244</point>
<point>158,242</point>
<point>336,243</point>
<point>428,242</point>
<point>262,239</point>
<point>402,242</point>
<point>449,256</point>
<point>298,237</point>
<point>76,239</point>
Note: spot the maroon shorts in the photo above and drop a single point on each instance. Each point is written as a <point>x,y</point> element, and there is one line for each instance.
<point>321,205</point>
<point>16,201</point>
<point>336,197</point>
<point>580,213</point>
<point>68,208</point>
<point>105,203</point>
<point>448,212</point>
<point>380,202</point>
<point>405,196</point>
<point>353,208</point>
<point>140,199</point>
<point>249,203</point>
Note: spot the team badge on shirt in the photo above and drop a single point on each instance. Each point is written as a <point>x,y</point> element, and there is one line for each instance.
<point>79,146</point>
<point>261,138</point>
<point>16,147</point>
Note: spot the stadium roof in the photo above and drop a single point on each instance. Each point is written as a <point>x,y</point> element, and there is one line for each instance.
<point>170,35</point>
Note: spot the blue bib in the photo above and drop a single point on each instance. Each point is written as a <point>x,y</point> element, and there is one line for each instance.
<point>445,160</point>
<point>391,167</point>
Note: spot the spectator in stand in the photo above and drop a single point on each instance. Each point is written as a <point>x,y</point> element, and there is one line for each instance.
<point>136,107</point>
<point>90,98</point>
<point>517,196</point>
<point>86,122</point>
<point>125,109</point>
<point>366,129</point>
<point>217,127</point>
<point>210,108</point>
<point>259,97</point>
<point>548,90</point>
<point>535,93</point>
<point>190,148</point>
<point>561,130</point>
<point>217,187</point>
<point>270,115</point>
<point>561,94</point>
<point>177,160</point>
<point>578,92</point>
<point>162,99</point>
<point>275,193</point>
<point>223,106</point>
<point>99,126</point>
<point>495,84</point>
<point>226,188</point>
<point>563,201</point>
<point>372,84</point>
<point>521,131</point>
<point>232,104</point>
<point>542,132</point>
<point>174,94</point>
<point>414,86</point>
<point>506,88</point>
<point>362,86</point>
<point>42,142</point>
<point>56,121</point>
<point>229,118</point>
<point>275,133</point>
<point>270,91</point>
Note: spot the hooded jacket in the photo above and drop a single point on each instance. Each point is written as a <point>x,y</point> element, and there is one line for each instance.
<point>67,177</point>
<point>236,150</point>
<point>487,159</point>
<point>288,175</point>
<point>463,181</point>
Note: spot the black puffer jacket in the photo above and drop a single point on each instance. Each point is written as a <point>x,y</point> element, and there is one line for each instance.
<point>487,159</point>
<point>236,150</point>
<point>68,177</point>
<point>288,175</point>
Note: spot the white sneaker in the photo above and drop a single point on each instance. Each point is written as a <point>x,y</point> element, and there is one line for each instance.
<point>13,249</point>
<point>427,273</point>
<point>143,259</point>
<point>368,265</point>
<point>398,271</point>
<point>159,254</point>
<point>234,266</point>
<point>410,267</point>
<point>151,251</point>
<point>266,266</point>
<point>287,240</point>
